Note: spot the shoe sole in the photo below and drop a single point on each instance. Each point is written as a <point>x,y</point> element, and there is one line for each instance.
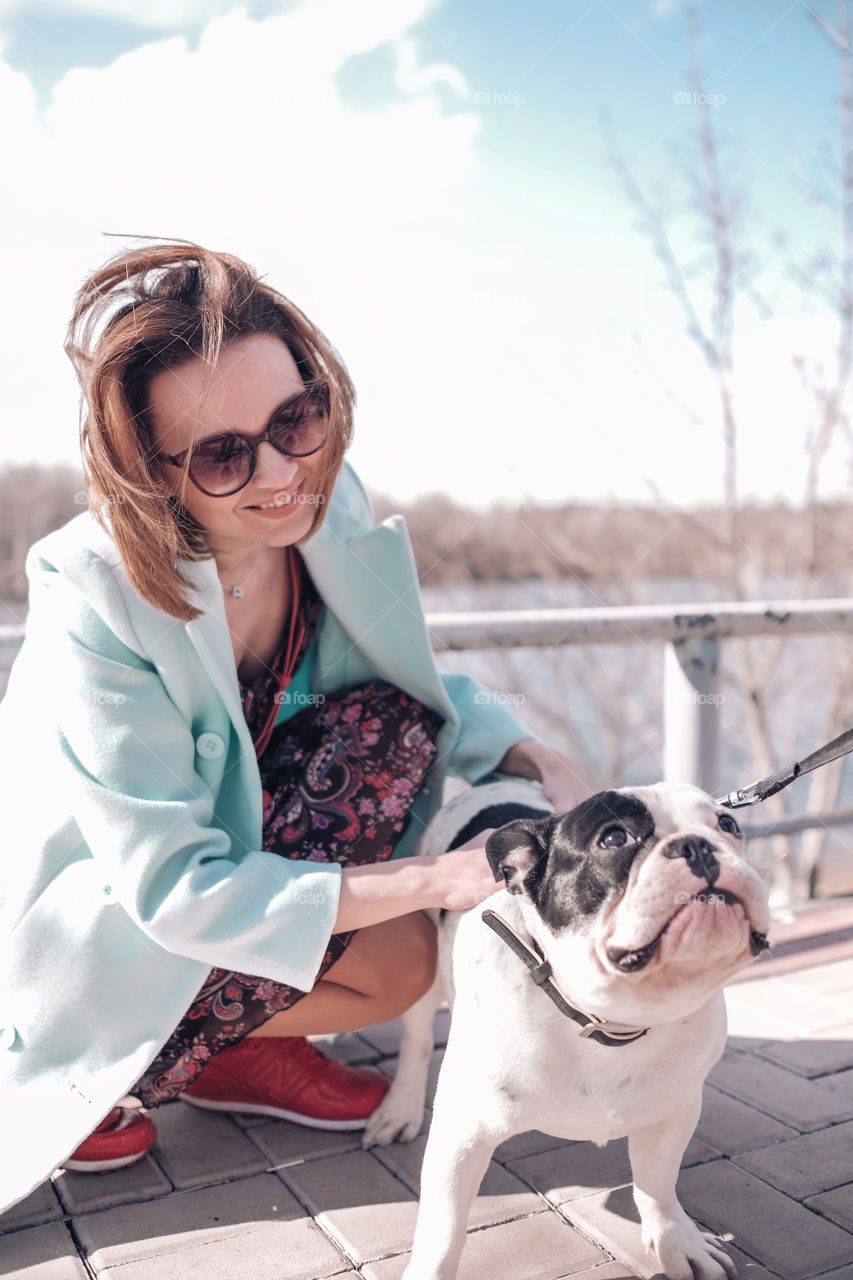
<point>259,1109</point>
<point>101,1166</point>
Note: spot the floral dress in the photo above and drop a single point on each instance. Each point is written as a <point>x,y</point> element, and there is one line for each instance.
<point>339,778</point>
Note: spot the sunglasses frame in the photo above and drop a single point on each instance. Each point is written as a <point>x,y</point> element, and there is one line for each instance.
<point>254,442</point>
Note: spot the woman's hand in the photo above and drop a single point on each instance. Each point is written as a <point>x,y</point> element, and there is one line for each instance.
<point>562,781</point>
<point>463,877</point>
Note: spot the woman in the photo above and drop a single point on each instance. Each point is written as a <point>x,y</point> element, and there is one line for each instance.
<point>221,738</point>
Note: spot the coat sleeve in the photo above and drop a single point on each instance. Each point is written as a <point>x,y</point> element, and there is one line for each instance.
<point>487,727</point>
<point>125,756</point>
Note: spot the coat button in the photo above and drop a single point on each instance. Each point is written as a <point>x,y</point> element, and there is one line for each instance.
<point>210,745</point>
<point>8,1036</point>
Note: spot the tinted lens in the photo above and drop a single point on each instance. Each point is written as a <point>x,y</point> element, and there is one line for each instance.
<point>302,428</point>
<point>221,466</point>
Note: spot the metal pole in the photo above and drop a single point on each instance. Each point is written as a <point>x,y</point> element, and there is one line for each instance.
<point>691,712</point>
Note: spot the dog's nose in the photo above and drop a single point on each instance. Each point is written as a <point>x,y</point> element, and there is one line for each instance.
<point>700,855</point>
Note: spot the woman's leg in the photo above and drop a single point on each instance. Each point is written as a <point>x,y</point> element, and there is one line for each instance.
<point>384,970</point>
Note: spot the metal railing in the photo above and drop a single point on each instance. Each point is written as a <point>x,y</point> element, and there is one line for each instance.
<point>693,636</point>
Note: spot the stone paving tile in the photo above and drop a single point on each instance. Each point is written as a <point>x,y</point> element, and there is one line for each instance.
<point>748,1268</point>
<point>349,1048</point>
<point>197,1147</point>
<point>81,1192</point>
<point>611,1218</point>
<point>40,1206</point>
<point>540,1248</point>
<point>698,1151</point>
<point>41,1253</point>
<point>358,1202</point>
<point>501,1196</point>
<point>779,1001</point>
<point>528,1144</point>
<point>843,1273</point>
<point>283,1143</point>
<point>732,1126</point>
<point>579,1170</point>
<point>384,1036</point>
<point>803,1104</point>
<point>300,1252</point>
<point>229,1231</point>
<point>729,1199</point>
<point>823,1052</point>
<point>748,1017</point>
<point>829,979</point>
<point>838,1206</point>
<point>806,1165</point>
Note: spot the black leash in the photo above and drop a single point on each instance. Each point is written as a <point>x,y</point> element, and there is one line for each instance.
<point>767,787</point>
<point>591,1027</point>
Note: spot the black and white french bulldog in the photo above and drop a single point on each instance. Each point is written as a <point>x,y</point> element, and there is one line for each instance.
<point>591,1008</point>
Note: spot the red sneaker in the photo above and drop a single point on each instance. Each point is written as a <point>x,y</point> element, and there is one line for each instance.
<point>121,1138</point>
<point>286,1077</point>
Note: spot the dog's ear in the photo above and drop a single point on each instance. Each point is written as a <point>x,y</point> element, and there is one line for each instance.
<point>516,850</point>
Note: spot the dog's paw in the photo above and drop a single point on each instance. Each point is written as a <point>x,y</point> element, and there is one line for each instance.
<point>683,1252</point>
<point>394,1120</point>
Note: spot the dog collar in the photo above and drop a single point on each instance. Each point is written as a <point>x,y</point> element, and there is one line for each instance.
<point>591,1027</point>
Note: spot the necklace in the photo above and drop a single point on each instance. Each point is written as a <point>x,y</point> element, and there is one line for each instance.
<point>239,589</point>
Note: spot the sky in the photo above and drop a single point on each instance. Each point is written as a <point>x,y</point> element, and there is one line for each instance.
<point>432,182</point>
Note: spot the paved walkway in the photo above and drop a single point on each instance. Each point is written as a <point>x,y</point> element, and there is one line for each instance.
<point>771,1166</point>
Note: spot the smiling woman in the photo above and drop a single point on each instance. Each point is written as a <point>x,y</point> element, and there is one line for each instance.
<point>228,694</point>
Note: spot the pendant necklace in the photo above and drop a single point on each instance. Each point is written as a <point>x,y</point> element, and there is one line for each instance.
<point>237,592</point>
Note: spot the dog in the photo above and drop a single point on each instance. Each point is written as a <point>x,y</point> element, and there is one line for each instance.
<point>587,1001</point>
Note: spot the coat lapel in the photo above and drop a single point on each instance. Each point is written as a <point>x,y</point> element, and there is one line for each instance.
<point>370,585</point>
<point>211,639</point>
<point>368,581</point>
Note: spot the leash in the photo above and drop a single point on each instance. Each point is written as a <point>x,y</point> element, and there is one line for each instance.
<point>591,1027</point>
<point>767,787</point>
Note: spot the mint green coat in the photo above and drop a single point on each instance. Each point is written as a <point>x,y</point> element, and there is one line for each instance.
<point>132,807</point>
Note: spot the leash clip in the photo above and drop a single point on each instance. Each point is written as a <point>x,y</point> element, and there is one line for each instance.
<point>742,797</point>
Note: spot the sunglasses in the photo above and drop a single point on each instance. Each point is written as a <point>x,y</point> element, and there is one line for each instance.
<point>225,464</point>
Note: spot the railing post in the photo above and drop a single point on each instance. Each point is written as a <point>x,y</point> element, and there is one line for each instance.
<point>691,712</point>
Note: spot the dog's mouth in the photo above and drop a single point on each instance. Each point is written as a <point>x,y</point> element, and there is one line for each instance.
<point>633,959</point>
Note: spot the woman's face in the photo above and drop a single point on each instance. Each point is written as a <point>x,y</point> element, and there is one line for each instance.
<point>252,378</point>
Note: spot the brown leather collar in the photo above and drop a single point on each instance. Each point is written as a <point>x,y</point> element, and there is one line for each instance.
<point>591,1027</point>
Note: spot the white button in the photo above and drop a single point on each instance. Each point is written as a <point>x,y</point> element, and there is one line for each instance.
<point>210,745</point>
<point>8,1036</point>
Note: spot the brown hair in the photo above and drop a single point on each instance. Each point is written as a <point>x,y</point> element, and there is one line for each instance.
<point>155,308</point>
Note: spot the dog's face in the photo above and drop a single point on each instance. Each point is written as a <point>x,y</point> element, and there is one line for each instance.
<point>645,894</point>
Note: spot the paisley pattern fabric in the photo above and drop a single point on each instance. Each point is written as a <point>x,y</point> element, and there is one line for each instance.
<point>338,779</point>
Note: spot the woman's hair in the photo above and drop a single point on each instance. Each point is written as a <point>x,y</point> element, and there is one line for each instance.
<point>156,308</point>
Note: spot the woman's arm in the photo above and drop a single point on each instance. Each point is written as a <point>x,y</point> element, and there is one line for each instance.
<point>456,881</point>
<point>562,779</point>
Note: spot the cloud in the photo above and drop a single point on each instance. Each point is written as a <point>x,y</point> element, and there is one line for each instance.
<point>160,14</point>
<point>483,309</point>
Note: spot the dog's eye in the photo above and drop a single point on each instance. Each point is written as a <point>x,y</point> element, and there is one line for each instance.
<point>615,838</point>
<point>727,823</point>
